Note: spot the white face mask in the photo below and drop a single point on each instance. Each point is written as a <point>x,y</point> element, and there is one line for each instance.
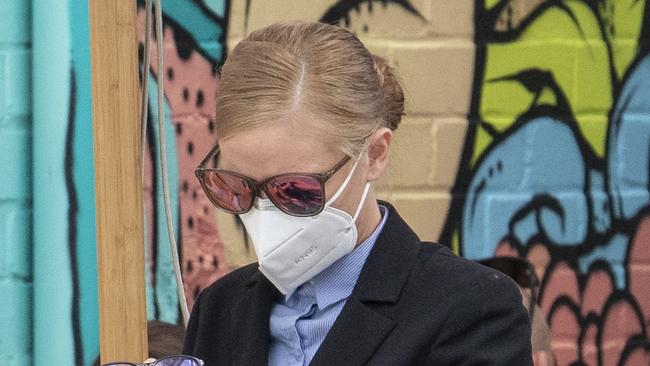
<point>291,250</point>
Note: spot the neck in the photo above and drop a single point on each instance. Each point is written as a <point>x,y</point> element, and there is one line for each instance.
<point>369,217</point>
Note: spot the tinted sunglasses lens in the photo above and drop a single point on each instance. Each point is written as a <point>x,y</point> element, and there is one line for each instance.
<point>177,361</point>
<point>227,191</point>
<point>297,195</point>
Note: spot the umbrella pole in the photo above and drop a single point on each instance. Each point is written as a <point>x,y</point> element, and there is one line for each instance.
<point>118,180</point>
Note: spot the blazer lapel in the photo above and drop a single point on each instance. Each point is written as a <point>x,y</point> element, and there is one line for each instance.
<point>365,322</point>
<point>250,322</point>
<point>354,337</point>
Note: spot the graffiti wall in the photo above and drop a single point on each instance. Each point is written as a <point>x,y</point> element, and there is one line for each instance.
<point>194,48</point>
<point>555,166</point>
<point>527,134</point>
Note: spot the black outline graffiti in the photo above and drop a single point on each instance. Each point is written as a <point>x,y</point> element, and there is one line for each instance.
<point>534,81</point>
<point>73,210</point>
<point>340,11</point>
<point>185,45</point>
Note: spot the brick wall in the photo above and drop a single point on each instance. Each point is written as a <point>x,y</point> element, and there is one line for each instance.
<point>15,183</point>
<point>432,48</point>
<point>526,134</point>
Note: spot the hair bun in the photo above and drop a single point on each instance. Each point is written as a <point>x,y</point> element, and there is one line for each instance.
<point>393,94</point>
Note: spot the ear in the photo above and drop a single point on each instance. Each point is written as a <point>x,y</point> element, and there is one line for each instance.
<point>378,153</point>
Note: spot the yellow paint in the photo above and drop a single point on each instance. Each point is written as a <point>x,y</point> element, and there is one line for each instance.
<point>547,97</point>
<point>624,19</point>
<point>455,242</point>
<point>489,4</point>
<point>482,141</point>
<point>574,54</point>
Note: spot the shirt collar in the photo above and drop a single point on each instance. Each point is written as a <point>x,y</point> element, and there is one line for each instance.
<point>337,281</point>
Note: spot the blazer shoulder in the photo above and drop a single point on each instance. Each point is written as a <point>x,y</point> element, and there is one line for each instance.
<point>457,274</point>
<point>230,283</point>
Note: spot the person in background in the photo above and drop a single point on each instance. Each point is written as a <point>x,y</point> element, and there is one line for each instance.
<point>305,120</point>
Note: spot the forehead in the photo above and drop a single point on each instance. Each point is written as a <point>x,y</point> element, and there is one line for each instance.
<point>276,148</point>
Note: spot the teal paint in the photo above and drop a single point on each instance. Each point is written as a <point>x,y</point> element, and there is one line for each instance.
<point>52,330</point>
<point>218,7</point>
<point>165,285</point>
<point>16,321</point>
<point>15,25</point>
<point>15,185</point>
<point>15,177</point>
<point>17,77</point>
<point>15,250</point>
<point>84,183</point>
<point>203,26</point>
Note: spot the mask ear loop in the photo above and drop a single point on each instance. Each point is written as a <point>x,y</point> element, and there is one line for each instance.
<point>342,187</point>
<point>362,201</point>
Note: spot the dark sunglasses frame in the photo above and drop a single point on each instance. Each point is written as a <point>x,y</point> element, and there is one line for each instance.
<point>258,187</point>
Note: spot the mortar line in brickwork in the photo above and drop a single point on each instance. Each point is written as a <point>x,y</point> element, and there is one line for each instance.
<point>25,203</point>
<point>417,191</point>
<point>191,114</point>
<point>436,115</point>
<point>9,277</point>
<point>420,42</point>
<point>14,122</point>
<point>18,46</point>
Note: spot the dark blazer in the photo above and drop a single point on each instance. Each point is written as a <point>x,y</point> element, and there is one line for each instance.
<point>415,303</point>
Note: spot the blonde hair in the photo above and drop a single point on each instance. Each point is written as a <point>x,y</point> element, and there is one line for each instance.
<point>317,68</point>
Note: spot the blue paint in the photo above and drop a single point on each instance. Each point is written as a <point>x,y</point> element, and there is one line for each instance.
<point>15,159</point>
<point>601,220</point>
<point>539,165</point>
<point>84,182</point>
<point>15,24</point>
<point>15,249</point>
<point>166,296</point>
<point>542,158</point>
<point>17,78</point>
<point>613,253</point>
<point>217,6</point>
<point>53,335</point>
<point>200,22</point>
<point>629,144</point>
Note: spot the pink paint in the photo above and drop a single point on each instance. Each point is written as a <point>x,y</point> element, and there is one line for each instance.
<point>505,249</point>
<point>561,281</point>
<point>599,285</point>
<point>589,345</point>
<point>619,324</point>
<point>639,267</point>
<point>191,88</point>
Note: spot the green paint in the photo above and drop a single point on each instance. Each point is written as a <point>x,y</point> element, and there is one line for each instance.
<point>572,52</point>
<point>623,20</point>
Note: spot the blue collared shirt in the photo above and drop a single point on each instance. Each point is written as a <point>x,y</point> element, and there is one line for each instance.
<point>300,323</point>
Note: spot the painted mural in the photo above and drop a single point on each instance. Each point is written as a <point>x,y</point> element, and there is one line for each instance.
<point>556,164</point>
<point>194,33</point>
<point>194,48</point>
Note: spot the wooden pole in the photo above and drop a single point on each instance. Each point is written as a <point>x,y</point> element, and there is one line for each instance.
<point>118,181</point>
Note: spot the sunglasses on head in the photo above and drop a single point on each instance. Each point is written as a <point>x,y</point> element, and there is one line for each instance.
<point>297,194</point>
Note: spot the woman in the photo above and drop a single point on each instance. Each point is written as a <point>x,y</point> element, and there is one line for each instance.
<point>305,120</point>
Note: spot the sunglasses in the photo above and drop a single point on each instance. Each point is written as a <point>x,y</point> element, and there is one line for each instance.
<point>296,194</point>
<point>165,361</point>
